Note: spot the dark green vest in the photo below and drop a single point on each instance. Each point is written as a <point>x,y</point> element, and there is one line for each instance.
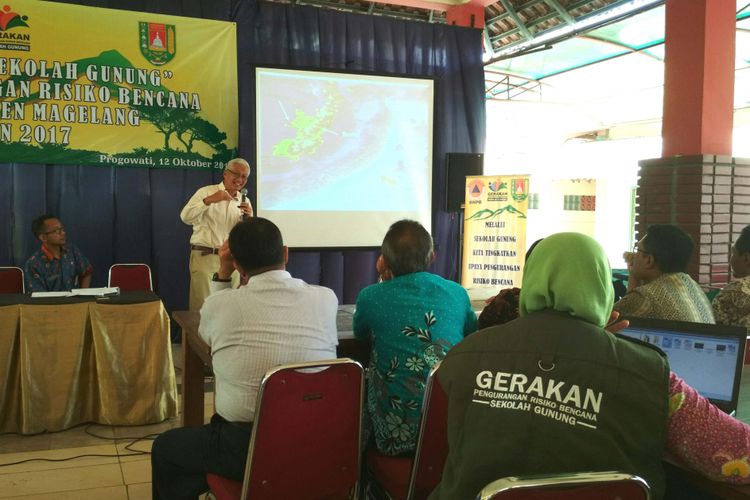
<point>548,393</point>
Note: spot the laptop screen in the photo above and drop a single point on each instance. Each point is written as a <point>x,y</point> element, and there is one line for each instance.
<point>708,357</point>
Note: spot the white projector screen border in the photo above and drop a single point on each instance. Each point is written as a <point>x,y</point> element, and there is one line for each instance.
<point>341,156</point>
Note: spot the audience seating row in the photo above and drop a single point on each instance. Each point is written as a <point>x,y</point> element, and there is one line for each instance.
<point>310,423</point>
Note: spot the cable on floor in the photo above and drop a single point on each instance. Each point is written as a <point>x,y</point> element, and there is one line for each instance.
<point>128,447</point>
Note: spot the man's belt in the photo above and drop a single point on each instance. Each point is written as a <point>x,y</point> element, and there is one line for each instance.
<point>204,250</point>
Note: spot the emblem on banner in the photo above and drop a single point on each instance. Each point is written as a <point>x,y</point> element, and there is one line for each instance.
<point>10,19</point>
<point>475,187</point>
<point>10,38</point>
<point>497,185</point>
<point>158,42</point>
<point>520,190</point>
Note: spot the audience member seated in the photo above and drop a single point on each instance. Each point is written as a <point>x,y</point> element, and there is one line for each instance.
<point>57,265</point>
<point>554,392</point>
<point>274,319</point>
<point>732,305</point>
<point>413,317</point>
<point>658,286</point>
<point>503,307</point>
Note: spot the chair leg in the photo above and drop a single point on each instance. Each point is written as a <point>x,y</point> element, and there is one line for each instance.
<point>373,490</point>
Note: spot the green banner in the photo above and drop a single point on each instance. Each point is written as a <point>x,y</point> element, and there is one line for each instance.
<point>84,85</point>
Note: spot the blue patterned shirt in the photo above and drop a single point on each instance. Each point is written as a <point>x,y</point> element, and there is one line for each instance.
<point>45,273</point>
<point>413,319</point>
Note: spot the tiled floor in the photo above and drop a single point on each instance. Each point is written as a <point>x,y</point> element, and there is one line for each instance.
<point>113,464</point>
<point>115,473</point>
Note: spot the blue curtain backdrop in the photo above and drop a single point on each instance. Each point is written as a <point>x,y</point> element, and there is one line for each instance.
<point>132,215</point>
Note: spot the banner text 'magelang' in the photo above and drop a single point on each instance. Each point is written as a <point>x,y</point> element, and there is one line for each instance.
<point>103,89</point>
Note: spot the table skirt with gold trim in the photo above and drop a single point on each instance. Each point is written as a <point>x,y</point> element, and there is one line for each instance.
<point>62,365</point>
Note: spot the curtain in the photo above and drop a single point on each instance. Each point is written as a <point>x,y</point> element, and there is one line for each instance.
<point>120,215</point>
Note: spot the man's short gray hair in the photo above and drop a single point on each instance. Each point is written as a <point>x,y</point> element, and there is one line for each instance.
<point>407,247</point>
<point>237,160</point>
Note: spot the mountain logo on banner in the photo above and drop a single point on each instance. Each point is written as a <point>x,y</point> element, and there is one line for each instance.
<point>158,42</point>
<point>10,19</point>
<point>475,187</point>
<point>486,213</point>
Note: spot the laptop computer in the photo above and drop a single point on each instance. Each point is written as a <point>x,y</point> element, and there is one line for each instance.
<point>708,357</point>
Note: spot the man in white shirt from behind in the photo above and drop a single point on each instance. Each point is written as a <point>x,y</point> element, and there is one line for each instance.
<point>274,319</point>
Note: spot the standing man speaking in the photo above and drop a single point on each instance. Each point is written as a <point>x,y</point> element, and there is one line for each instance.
<point>213,211</point>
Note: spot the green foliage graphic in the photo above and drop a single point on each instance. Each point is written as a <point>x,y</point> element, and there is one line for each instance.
<point>486,213</point>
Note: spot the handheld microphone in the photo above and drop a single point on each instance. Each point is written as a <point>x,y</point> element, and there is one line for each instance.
<point>244,199</point>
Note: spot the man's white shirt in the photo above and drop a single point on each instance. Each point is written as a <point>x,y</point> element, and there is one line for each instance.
<point>211,223</point>
<point>273,320</point>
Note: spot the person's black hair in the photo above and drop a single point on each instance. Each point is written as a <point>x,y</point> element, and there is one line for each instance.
<point>37,225</point>
<point>531,248</point>
<point>407,247</point>
<point>743,242</point>
<point>670,246</point>
<point>256,243</point>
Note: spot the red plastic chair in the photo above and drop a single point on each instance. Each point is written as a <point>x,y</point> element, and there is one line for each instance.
<point>306,435</point>
<point>11,280</point>
<point>569,486</point>
<point>414,479</point>
<point>130,277</point>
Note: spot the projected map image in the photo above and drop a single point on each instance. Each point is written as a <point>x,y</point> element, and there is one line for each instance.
<point>343,142</point>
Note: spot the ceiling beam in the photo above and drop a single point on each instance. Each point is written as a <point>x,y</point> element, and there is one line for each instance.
<point>513,15</point>
<point>561,11</point>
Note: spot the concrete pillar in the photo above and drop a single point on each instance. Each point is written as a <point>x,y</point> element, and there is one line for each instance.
<point>697,184</point>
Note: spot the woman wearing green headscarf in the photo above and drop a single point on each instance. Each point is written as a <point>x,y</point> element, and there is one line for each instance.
<point>553,392</point>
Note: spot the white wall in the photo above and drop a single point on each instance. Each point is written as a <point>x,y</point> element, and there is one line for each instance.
<point>532,138</point>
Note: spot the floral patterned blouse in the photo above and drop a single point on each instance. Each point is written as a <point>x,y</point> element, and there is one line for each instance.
<point>705,438</point>
<point>413,320</point>
<point>732,305</point>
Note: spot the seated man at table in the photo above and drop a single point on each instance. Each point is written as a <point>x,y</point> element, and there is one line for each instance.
<point>274,319</point>
<point>732,305</point>
<point>413,318</point>
<point>57,265</point>
<point>658,285</point>
<point>553,392</point>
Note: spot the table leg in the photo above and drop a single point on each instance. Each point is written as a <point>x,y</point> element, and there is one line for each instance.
<point>192,385</point>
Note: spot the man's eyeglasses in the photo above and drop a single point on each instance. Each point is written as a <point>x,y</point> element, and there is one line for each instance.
<point>637,249</point>
<point>241,176</point>
<point>57,230</point>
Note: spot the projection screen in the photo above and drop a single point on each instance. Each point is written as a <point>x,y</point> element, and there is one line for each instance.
<point>341,156</point>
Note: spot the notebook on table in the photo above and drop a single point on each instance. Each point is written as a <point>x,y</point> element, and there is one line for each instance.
<point>708,357</point>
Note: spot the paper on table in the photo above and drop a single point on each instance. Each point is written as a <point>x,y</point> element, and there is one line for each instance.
<point>49,294</point>
<point>80,292</point>
<point>96,292</point>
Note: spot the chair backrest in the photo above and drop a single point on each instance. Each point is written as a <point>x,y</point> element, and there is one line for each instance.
<point>306,432</point>
<point>569,486</point>
<point>11,280</point>
<point>432,442</point>
<point>130,277</point>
